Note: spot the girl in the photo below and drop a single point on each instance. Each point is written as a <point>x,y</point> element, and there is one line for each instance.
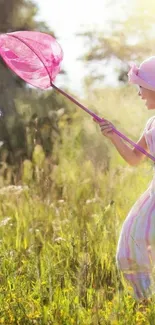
<point>135,255</point>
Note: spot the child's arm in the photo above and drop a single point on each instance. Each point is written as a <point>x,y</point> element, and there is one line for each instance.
<point>131,155</point>
<point>142,143</point>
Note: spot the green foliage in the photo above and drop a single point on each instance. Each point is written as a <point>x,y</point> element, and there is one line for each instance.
<point>59,228</point>
<point>60,223</point>
<point>36,122</point>
<point>24,112</point>
<point>57,262</point>
<point>124,36</point>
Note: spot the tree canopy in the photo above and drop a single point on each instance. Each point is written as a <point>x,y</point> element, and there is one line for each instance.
<point>129,37</point>
<point>25,113</point>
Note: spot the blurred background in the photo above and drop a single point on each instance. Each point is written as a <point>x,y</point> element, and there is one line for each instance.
<point>64,189</point>
<point>99,39</point>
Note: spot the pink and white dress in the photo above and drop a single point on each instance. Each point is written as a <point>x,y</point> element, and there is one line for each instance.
<point>135,255</point>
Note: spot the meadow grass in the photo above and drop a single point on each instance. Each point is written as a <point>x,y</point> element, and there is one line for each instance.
<point>59,232</point>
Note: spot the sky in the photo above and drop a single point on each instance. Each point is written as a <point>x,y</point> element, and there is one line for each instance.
<point>68,17</point>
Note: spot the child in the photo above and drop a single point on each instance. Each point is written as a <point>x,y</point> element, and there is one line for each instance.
<point>135,255</point>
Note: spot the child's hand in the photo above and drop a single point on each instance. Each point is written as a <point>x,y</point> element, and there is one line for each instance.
<point>106,128</point>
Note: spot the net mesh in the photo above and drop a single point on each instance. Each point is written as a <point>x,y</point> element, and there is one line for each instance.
<point>33,56</point>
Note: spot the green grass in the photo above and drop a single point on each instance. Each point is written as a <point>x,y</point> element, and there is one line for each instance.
<point>58,235</point>
<point>58,256</point>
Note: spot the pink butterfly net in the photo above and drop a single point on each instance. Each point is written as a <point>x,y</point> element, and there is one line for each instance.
<point>36,58</point>
<point>33,56</point>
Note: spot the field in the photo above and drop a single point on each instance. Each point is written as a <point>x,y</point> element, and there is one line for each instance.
<point>59,232</point>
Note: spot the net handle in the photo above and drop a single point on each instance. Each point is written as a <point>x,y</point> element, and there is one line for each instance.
<point>102,119</point>
<point>80,105</point>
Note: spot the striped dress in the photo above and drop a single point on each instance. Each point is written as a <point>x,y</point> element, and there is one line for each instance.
<point>135,255</point>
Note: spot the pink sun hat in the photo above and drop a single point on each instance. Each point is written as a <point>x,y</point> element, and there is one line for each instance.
<point>143,76</point>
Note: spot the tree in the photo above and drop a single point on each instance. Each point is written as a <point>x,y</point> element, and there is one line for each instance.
<point>125,38</point>
<point>16,125</point>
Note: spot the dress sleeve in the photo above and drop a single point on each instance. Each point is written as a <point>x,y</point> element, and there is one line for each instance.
<point>149,133</point>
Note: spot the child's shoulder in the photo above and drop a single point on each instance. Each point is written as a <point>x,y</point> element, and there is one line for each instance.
<point>150,122</point>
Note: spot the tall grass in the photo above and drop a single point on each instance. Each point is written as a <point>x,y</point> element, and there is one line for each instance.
<point>58,234</point>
